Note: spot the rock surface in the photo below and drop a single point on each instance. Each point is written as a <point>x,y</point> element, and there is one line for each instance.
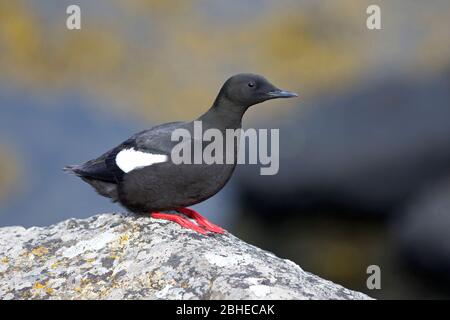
<point>117,256</point>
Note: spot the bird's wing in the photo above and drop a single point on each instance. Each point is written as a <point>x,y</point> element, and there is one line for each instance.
<point>149,146</point>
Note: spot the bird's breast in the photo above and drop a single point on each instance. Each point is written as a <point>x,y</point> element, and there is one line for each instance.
<point>167,186</point>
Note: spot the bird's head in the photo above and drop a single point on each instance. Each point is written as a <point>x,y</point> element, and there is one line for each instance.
<point>247,89</point>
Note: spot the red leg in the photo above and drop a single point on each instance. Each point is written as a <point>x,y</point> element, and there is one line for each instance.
<point>201,220</point>
<point>177,219</point>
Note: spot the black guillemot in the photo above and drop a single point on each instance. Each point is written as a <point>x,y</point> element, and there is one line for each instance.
<point>140,175</point>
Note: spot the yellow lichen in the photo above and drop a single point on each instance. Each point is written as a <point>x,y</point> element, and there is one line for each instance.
<point>48,290</point>
<point>39,251</point>
<point>38,286</point>
<point>4,260</point>
<point>123,239</point>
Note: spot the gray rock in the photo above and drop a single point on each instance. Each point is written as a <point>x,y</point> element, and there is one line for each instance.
<point>115,256</point>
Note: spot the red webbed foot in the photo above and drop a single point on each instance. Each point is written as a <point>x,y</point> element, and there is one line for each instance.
<point>201,220</point>
<point>185,223</point>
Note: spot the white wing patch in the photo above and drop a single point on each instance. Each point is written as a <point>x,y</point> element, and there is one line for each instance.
<point>129,159</point>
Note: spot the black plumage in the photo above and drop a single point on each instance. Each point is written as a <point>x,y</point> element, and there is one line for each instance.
<point>164,185</point>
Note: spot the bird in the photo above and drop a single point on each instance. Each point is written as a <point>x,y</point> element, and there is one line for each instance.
<point>140,175</point>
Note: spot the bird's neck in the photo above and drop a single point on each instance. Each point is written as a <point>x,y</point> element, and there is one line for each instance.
<point>223,115</point>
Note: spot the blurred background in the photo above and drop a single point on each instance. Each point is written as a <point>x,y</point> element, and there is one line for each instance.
<point>365,152</point>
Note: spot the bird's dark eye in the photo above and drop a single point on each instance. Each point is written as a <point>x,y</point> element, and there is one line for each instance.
<point>251,84</point>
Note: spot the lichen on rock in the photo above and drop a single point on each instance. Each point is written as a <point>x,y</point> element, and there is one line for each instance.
<point>118,256</point>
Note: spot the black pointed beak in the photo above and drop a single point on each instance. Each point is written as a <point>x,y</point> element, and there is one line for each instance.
<point>282,94</point>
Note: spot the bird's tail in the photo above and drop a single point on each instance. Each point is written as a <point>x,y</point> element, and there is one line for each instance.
<point>73,169</point>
